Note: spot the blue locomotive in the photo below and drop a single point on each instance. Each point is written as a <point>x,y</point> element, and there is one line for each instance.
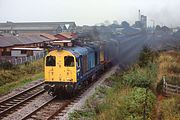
<point>69,68</point>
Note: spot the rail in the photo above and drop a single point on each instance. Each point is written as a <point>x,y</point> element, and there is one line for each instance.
<point>170,89</point>
<point>11,104</point>
<point>52,107</point>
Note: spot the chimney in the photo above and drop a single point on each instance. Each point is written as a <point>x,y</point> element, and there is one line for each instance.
<point>139,15</point>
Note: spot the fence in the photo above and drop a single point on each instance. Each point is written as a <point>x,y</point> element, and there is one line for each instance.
<point>21,60</point>
<point>170,89</point>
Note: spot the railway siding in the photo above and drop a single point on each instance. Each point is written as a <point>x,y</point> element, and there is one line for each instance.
<point>20,89</point>
<point>39,101</point>
<point>17,101</point>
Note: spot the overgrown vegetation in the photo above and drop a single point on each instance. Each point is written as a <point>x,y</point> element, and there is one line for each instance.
<point>6,65</point>
<point>137,93</point>
<point>168,66</point>
<point>147,56</point>
<point>141,77</point>
<point>14,76</point>
<point>170,108</point>
<point>125,96</point>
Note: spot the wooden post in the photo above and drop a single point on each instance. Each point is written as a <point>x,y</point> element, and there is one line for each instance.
<point>164,84</point>
<point>176,89</point>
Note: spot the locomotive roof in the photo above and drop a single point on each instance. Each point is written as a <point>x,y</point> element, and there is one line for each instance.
<point>77,50</point>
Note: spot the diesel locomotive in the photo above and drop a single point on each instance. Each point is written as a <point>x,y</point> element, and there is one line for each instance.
<point>68,68</point>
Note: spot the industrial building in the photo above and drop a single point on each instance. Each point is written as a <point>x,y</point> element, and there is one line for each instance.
<point>8,42</point>
<point>41,27</point>
<point>142,21</point>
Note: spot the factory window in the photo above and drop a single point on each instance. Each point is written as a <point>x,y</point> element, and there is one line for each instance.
<point>50,61</point>
<point>69,61</point>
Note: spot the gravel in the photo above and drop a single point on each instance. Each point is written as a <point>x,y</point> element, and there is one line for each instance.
<point>79,104</point>
<point>20,89</point>
<point>36,103</point>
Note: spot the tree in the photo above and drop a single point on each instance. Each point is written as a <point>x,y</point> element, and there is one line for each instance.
<point>125,24</point>
<point>106,22</point>
<point>158,27</point>
<point>115,22</point>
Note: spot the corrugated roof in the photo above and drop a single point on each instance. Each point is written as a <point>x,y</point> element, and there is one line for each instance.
<point>49,36</point>
<point>68,35</point>
<point>22,39</point>
<point>8,41</point>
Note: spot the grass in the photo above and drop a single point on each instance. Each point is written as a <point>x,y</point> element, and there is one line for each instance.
<point>13,85</point>
<point>20,75</point>
<point>170,108</point>
<point>168,65</point>
<point>120,101</point>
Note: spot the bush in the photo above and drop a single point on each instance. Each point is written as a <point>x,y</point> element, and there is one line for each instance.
<point>138,77</point>
<point>139,98</point>
<point>7,77</point>
<point>6,65</point>
<point>146,56</point>
<point>17,72</point>
<point>127,104</point>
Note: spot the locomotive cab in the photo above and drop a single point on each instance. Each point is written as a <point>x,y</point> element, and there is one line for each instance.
<point>60,67</point>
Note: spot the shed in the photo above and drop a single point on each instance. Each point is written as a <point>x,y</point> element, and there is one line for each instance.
<point>7,42</point>
<point>25,52</point>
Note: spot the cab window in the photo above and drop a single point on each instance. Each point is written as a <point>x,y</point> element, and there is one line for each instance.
<point>69,61</point>
<point>50,61</point>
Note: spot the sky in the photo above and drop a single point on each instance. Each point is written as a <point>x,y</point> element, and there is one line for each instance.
<point>90,12</point>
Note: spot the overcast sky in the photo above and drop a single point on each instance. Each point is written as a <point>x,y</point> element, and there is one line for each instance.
<point>90,12</point>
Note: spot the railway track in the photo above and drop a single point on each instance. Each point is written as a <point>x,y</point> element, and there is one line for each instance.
<point>15,102</point>
<point>48,110</point>
<point>53,108</point>
<point>56,108</point>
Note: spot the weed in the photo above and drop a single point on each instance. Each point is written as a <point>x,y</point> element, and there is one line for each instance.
<point>170,109</point>
<point>175,80</point>
<point>6,65</point>
<point>174,68</point>
<point>19,73</point>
